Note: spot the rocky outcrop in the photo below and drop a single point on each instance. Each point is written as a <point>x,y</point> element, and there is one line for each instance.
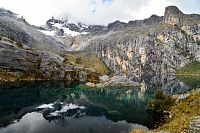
<point>80,28</point>
<point>159,50</point>
<point>156,46</point>
<point>194,125</point>
<point>29,61</point>
<point>137,54</point>
<point>173,15</point>
<point>24,61</point>
<point>17,29</point>
<point>114,81</point>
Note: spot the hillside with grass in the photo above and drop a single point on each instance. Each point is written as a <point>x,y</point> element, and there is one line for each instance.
<point>192,68</point>
<point>86,60</point>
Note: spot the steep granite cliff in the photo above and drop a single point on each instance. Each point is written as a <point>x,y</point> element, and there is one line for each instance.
<point>156,46</point>
<point>153,50</point>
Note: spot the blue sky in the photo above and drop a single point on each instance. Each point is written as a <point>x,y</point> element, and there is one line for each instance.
<point>95,11</point>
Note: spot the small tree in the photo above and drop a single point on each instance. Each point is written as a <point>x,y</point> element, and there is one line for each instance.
<point>161,102</point>
<point>79,61</point>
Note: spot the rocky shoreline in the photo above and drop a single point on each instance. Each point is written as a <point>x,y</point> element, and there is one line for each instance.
<point>106,81</point>
<point>184,115</point>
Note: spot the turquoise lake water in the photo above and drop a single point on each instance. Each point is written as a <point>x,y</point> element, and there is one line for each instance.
<point>60,107</point>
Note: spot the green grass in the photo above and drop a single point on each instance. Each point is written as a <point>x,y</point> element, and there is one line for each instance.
<point>182,114</point>
<point>84,60</point>
<point>192,68</point>
<point>192,81</point>
<point>7,76</point>
<point>18,44</point>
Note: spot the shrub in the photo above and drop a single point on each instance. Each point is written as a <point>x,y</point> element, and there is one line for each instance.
<point>198,42</point>
<point>79,61</point>
<point>19,45</point>
<point>161,102</point>
<point>65,60</point>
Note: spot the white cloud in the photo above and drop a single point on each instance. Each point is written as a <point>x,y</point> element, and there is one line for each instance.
<point>94,11</point>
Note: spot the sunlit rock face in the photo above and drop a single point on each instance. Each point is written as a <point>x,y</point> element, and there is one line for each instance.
<point>173,15</point>
<point>155,46</point>
<point>129,54</point>
<point>152,50</point>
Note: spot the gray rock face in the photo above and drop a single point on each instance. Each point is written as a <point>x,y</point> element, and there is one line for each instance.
<point>173,15</point>
<point>102,29</point>
<point>39,64</point>
<point>114,81</point>
<point>60,32</point>
<point>154,50</point>
<point>118,81</point>
<point>104,78</point>
<point>194,125</point>
<point>131,53</point>
<point>19,30</point>
<point>151,47</point>
<point>16,59</point>
<point>52,65</point>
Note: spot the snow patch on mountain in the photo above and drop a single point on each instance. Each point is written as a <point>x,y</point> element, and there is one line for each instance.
<point>54,26</point>
<point>47,32</point>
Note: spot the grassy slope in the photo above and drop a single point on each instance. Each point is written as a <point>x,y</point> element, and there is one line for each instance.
<point>5,76</point>
<point>182,114</point>
<point>192,81</point>
<point>192,68</point>
<point>80,59</point>
<point>87,60</point>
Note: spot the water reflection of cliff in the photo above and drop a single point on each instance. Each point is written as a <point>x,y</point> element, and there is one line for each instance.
<point>120,104</point>
<point>116,104</point>
<point>168,83</point>
<point>19,98</point>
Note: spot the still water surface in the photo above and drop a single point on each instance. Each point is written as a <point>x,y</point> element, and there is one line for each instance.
<point>58,107</point>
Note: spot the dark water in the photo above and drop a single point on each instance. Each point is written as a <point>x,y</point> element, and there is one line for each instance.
<point>58,107</point>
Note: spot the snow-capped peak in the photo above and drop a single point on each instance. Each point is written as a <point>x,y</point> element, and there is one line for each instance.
<point>60,27</point>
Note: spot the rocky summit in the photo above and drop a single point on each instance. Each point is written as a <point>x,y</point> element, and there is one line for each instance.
<point>158,47</point>
<point>155,46</point>
<point>134,77</point>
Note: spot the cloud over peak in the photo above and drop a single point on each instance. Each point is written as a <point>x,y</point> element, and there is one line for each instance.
<point>94,11</point>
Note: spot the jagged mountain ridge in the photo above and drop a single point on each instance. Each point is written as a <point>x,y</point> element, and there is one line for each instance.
<point>155,46</point>
<point>117,25</point>
<point>26,53</point>
<point>154,50</point>
<point>80,28</point>
<point>16,28</point>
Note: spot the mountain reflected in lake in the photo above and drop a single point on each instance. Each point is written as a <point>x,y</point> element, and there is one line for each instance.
<point>55,106</point>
